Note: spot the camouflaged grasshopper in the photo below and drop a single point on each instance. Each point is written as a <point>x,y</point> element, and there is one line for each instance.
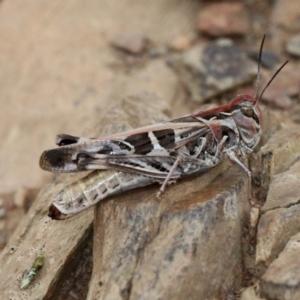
<point>163,152</point>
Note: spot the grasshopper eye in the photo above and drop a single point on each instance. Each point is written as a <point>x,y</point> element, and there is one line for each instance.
<point>247,111</point>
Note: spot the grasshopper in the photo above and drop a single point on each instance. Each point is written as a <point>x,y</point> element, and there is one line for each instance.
<point>163,152</point>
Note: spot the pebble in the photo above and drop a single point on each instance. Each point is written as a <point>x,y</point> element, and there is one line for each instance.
<point>157,52</point>
<point>293,46</point>
<point>208,70</point>
<point>223,19</point>
<point>131,42</point>
<point>269,59</point>
<point>181,43</point>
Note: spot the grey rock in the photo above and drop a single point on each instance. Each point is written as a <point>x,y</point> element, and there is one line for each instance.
<point>269,59</point>
<point>282,278</point>
<point>280,216</point>
<point>281,151</point>
<point>208,70</point>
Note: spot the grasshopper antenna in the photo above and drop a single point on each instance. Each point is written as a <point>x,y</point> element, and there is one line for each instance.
<point>273,77</point>
<point>258,73</point>
<point>259,65</point>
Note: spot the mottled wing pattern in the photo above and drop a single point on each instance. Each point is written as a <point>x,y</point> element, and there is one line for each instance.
<point>138,151</point>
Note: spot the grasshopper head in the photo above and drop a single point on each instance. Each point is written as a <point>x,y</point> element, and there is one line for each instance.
<point>248,119</point>
<point>246,113</point>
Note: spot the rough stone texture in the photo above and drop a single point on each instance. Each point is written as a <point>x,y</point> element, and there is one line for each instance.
<point>208,70</point>
<point>59,243</point>
<point>223,19</point>
<point>280,216</point>
<point>281,151</point>
<point>284,189</point>
<point>251,293</point>
<point>282,278</point>
<point>144,249</point>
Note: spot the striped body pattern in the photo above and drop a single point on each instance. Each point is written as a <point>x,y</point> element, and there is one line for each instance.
<point>91,189</point>
<point>96,186</point>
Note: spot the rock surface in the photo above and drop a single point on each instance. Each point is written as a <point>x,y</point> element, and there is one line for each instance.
<point>281,151</point>
<point>160,250</point>
<point>59,74</point>
<point>208,70</point>
<point>280,217</point>
<point>72,233</point>
<point>282,278</point>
